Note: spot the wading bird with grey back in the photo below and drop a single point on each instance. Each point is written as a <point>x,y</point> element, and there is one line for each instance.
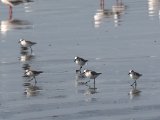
<point>134,75</point>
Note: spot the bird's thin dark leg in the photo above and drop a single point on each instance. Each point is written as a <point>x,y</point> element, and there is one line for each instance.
<point>132,86</point>
<point>35,79</point>
<point>135,83</point>
<point>94,84</point>
<point>132,83</point>
<point>31,79</point>
<point>10,12</point>
<point>31,49</point>
<point>80,69</point>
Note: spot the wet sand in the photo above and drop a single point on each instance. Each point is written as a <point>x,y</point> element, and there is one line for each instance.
<point>113,42</point>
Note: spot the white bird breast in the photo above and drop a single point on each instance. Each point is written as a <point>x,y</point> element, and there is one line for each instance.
<point>29,73</point>
<point>89,75</point>
<point>135,77</point>
<point>23,43</point>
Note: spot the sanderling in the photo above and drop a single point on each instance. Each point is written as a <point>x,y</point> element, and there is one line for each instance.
<point>91,74</point>
<point>26,43</point>
<point>80,61</point>
<point>134,75</point>
<point>32,73</point>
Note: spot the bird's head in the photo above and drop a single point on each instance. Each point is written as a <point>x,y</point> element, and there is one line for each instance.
<point>85,71</point>
<point>131,71</point>
<point>27,70</point>
<point>20,40</point>
<point>75,58</point>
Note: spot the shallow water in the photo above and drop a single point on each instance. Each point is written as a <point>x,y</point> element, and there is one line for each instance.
<point>113,44</point>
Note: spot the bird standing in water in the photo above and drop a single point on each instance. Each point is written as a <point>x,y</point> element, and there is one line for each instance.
<point>80,61</point>
<point>91,75</point>
<point>32,73</point>
<point>134,75</point>
<point>26,43</point>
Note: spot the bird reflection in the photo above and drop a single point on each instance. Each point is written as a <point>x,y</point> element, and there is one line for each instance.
<point>86,89</point>
<point>134,92</point>
<point>11,24</point>
<point>32,90</point>
<point>25,56</point>
<point>115,13</point>
<point>80,78</point>
<point>26,66</point>
<point>154,8</point>
<point>91,90</point>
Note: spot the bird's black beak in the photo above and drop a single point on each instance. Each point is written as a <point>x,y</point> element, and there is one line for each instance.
<point>129,73</point>
<point>74,60</point>
<point>77,71</point>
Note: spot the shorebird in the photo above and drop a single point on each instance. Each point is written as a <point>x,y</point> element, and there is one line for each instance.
<point>80,61</point>
<point>12,3</point>
<point>32,73</point>
<point>91,75</point>
<point>134,75</point>
<point>26,43</point>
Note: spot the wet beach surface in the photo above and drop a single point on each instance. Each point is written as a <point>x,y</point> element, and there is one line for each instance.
<point>113,43</point>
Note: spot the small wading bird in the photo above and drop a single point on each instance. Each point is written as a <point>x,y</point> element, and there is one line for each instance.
<point>26,43</point>
<point>32,74</point>
<point>134,75</point>
<point>91,75</point>
<point>12,3</point>
<point>80,61</point>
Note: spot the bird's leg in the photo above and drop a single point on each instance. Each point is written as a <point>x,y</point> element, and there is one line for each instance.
<point>94,84</point>
<point>35,79</point>
<point>31,79</point>
<point>135,83</point>
<point>31,49</point>
<point>102,4</point>
<point>80,69</point>
<point>10,12</point>
<point>132,84</point>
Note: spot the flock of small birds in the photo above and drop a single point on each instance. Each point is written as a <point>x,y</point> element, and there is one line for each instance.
<point>93,75</point>
<point>31,74</point>
<point>25,44</point>
<point>86,73</point>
